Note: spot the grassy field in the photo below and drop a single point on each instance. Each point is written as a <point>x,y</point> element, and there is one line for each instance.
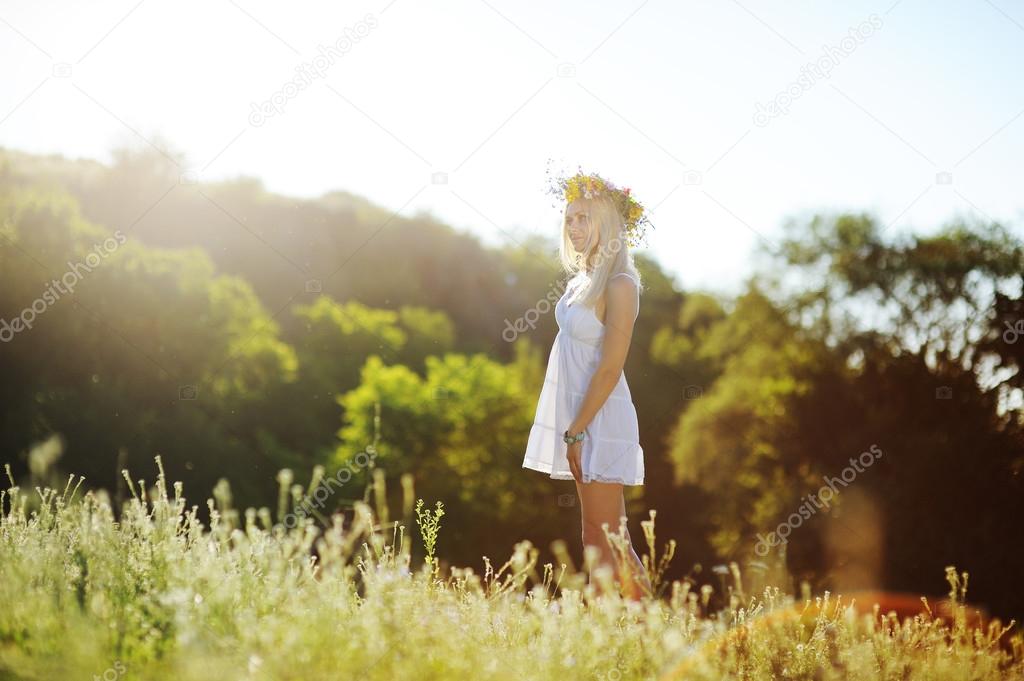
<point>156,595</point>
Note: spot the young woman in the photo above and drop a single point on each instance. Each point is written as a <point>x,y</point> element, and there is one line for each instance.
<point>585,428</point>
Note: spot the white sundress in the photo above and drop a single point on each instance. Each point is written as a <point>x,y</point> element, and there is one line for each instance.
<point>611,447</point>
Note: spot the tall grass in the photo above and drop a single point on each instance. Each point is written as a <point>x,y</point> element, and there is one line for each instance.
<point>154,594</point>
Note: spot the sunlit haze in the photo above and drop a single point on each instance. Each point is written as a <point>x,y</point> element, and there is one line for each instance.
<point>454,107</point>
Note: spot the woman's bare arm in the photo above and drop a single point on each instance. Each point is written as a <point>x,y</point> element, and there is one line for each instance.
<point>620,315</point>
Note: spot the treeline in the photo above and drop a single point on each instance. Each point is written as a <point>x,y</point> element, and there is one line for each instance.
<point>236,332</point>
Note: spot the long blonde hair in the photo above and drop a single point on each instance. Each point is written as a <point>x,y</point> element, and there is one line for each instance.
<point>611,258</point>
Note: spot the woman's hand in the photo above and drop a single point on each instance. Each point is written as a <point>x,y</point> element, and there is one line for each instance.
<point>574,454</point>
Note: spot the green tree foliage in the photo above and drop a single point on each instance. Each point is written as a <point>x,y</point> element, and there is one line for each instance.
<point>202,339</point>
<point>356,250</point>
<point>460,430</point>
<point>876,343</point>
<point>932,294</point>
<point>731,441</point>
<point>332,341</point>
<point>430,333</point>
<point>685,345</point>
<point>146,351</point>
<point>339,336</point>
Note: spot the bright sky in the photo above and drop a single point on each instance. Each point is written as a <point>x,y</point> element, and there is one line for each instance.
<point>658,95</point>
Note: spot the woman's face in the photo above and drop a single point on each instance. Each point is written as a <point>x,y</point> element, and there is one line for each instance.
<point>577,223</point>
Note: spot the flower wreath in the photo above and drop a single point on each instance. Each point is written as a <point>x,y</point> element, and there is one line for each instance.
<point>591,185</point>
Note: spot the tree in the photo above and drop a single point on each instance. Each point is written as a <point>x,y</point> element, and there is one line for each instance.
<point>132,351</point>
<point>460,431</point>
<point>809,385</point>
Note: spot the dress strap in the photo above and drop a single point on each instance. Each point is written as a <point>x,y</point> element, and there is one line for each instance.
<point>626,274</point>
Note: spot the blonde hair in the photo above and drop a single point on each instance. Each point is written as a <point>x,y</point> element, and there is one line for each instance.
<point>612,256</point>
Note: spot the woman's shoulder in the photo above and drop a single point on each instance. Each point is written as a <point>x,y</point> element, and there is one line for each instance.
<point>624,279</point>
<point>625,289</point>
<point>623,285</point>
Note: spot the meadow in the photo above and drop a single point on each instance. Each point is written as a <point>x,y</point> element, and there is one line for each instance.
<point>311,267</point>
<point>151,592</point>
<point>198,342</point>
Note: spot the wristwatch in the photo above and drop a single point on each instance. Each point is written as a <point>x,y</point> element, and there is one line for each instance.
<point>571,439</point>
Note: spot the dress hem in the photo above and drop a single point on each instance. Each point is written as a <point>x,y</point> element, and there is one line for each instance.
<point>587,477</point>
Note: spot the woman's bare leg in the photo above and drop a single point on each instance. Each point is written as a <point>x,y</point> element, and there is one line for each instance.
<point>603,502</point>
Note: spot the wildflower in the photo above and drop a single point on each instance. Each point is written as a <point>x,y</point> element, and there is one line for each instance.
<point>590,186</point>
